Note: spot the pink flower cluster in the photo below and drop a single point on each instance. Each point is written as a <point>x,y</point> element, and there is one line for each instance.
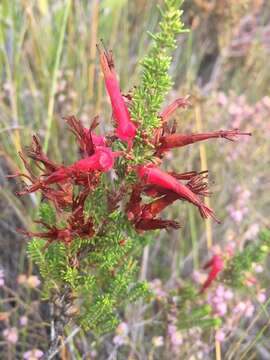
<point>2,278</point>
<point>219,299</point>
<point>239,209</point>
<point>11,335</point>
<point>33,354</point>
<point>31,281</point>
<point>121,337</point>
<point>157,289</point>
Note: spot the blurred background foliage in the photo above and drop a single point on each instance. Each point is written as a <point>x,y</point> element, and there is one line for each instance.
<point>49,69</point>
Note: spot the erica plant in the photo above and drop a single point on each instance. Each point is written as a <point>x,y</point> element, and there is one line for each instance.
<point>95,213</point>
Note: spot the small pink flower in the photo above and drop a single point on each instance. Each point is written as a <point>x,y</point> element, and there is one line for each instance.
<point>33,281</point>
<point>266,101</point>
<point>220,291</point>
<point>222,99</point>
<point>156,287</point>
<point>262,297</point>
<point>230,248</point>
<point>93,354</point>
<point>236,215</point>
<point>119,340</point>
<point>176,338</point>
<point>240,307</point>
<point>122,329</point>
<point>249,310</point>
<point>11,335</point>
<point>221,308</point>
<point>228,295</point>
<point>220,335</point>
<point>258,268</point>
<point>252,231</point>
<point>23,320</point>
<point>158,341</point>
<point>171,329</point>
<point>121,337</point>
<point>251,281</point>
<point>198,277</point>
<point>22,279</point>
<point>216,299</point>
<point>2,278</point>
<point>200,355</point>
<point>34,354</point>
<point>175,335</point>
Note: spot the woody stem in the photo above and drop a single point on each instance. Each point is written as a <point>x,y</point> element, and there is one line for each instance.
<point>59,319</point>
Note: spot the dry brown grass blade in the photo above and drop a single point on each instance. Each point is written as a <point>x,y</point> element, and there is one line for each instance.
<point>92,47</point>
<point>208,225</point>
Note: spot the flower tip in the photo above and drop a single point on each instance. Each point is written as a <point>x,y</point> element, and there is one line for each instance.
<point>238,132</point>
<point>141,171</point>
<point>206,212</point>
<point>100,46</point>
<point>129,144</point>
<point>116,154</point>
<point>106,60</point>
<point>130,215</point>
<point>127,132</point>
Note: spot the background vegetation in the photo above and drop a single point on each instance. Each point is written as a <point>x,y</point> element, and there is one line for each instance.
<point>49,69</point>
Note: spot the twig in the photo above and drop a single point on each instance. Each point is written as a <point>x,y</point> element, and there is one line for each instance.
<point>70,337</point>
<point>59,318</point>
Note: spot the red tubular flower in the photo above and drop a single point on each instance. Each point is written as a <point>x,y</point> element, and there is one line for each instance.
<point>178,140</point>
<point>98,140</point>
<point>217,265</point>
<point>77,225</point>
<point>61,197</point>
<point>151,174</point>
<point>65,235</point>
<point>35,152</point>
<point>81,172</point>
<point>113,198</point>
<point>126,129</point>
<point>31,177</point>
<point>80,226</point>
<point>59,176</point>
<point>51,235</point>
<point>170,109</point>
<point>154,224</point>
<point>86,138</point>
<point>196,184</point>
<point>102,160</point>
<point>149,211</point>
<point>134,207</point>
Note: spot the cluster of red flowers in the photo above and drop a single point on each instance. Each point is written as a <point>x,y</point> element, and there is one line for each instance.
<point>166,187</point>
<point>57,181</point>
